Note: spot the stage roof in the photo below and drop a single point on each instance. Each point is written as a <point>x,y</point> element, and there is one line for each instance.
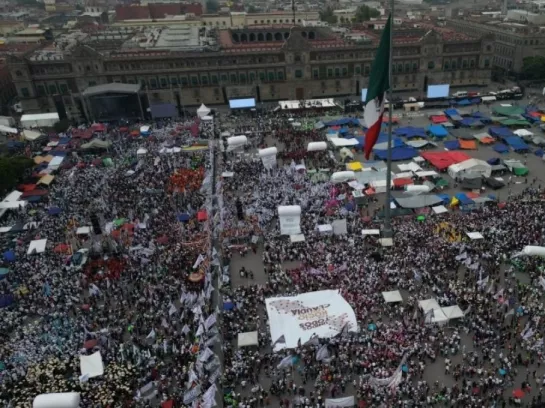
<point>113,87</point>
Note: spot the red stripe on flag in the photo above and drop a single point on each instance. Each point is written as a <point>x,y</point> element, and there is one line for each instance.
<point>371,136</point>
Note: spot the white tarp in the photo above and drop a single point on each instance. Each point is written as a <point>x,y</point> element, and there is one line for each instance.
<point>531,250</point>
<point>247,339</point>
<point>83,231</point>
<point>475,235</point>
<point>31,135</point>
<point>323,313</point>
<point>7,129</point>
<point>370,232</point>
<point>416,189</point>
<point>290,219</point>
<point>343,176</point>
<point>57,400</point>
<point>316,146</point>
<point>39,120</point>
<point>297,238</point>
<point>343,402</point>
<point>37,246</point>
<point>268,157</point>
<point>393,296</point>
<point>427,173</point>
<point>338,142</point>
<point>453,312</point>
<point>141,151</point>
<point>412,166</point>
<point>13,196</point>
<point>12,204</point>
<point>439,209</point>
<point>91,366</point>
<point>325,228</point>
<point>339,227</point>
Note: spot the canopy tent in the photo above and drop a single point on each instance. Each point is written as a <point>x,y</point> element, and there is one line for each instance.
<point>398,153</point>
<point>203,111</point>
<point>484,138</point>
<point>474,235</point>
<point>440,209</point>
<point>419,201</point>
<point>393,296</point>
<point>516,167</point>
<point>442,160</point>
<point>419,144</point>
<point>316,146</point>
<point>451,112</point>
<point>508,110</point>
<point>248,339</point>
<point>436,119</point>
<point>235,142</point>
<point>468,145</point>
<point>31,135</point>
<point>515,122</point>
<point>338,142</point>
<point>141,151</point>
<point>410,132</point>
<point>523,133</point>
<point>345,152</point>
<point>452,144</point>
<point>269,151</point>
<point>516,143</point>
<point>437,131</point>
<point>498,131</point>
<point>428,305</point>
<point>473,166</point>
<point>436,316</point>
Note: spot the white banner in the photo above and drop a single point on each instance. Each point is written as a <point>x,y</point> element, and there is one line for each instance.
<point>290,219</point>
<point>269,162</point>
<point>323,313</point>
<point>340,402</point>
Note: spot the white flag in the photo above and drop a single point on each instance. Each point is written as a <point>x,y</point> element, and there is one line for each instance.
<point>509,313</point>
<point>322,353</point>
<point>210,321</point>
<point>172,309</point>
<point>151,334</point>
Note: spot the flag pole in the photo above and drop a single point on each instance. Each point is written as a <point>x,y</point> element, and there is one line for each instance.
<point>387,232</point>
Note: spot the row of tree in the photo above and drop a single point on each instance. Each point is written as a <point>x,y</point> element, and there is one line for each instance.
<point>12,171</point>
<point>363,13</point>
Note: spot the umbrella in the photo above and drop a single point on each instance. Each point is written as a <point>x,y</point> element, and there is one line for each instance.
<point>404,368</point>
<point>421,218</point>
<point>9,256</point>
<point>502,371</point>
<point>184,217</point>
<point>54,211</point>
<point>518,393</point>
<point>119,222</point>
<point>3,273</point>
<point>371,327</point>
<point>228,305</point>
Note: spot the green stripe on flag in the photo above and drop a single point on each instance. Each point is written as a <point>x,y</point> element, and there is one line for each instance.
<point>379,81</point>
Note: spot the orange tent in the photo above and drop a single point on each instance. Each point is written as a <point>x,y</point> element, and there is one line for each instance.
<point>468,144</point>
<point>487,140</point>
<point>472,195</point>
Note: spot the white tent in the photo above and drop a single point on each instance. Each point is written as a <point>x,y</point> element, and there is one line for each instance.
<point>439,209</point>
<point>247,339</point>
<point>453,312</point>
<point>428,304</point>
<point>31,135</point>
<point>37,246</point>
<point>269,151</point>
<point>393,296</point>
<point>57,400</point>
<point>530,250</point>
<point>297,238</point>
<point>203,111</point>
<point>316,146</point>
<point>7,129</point>
<point>474,235</point>
<point>436,317</point>
<point>337,142</point>
<point>342,176</point>
<point>523,133</point>
<point>83,231</point>
<point>473,166</point>
<point>235,142</point>
<point>370,232</point>
<point>207,118</point>
<point>325,228</point>
<point>141,151</point>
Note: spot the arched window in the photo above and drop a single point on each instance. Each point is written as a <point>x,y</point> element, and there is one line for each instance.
<point>260,37</point>
<point>269,36</point>
<point>431,65</point>
<point>278,37</point>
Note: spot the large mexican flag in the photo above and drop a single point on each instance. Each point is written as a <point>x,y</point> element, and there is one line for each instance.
<point>379,83</point>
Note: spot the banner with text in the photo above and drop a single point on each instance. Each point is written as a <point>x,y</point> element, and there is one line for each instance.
<point>324,313</point>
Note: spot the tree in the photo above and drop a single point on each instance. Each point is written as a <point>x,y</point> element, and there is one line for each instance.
<point>365,13</point>
<point>328,16</point>
<point>12,169</point>
<point>533,67</point>
<point>212,6</point>
<point>252,9</point>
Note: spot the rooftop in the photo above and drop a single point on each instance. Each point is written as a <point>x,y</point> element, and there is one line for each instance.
<point>156,11</point>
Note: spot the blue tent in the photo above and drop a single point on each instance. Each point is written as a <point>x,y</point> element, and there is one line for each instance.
<point>464,102</point>
<point>498,131</point>
<point>500,148</point>
<point>444,197</point>
<point>54,211</point>
<point>409,132</point>
<point>516,143</point>
<point>539,152</point>
<point>437,131</point>
<point>398,153</point>
<point>6,299</point>
<point>464,199</point>
<point>452,112</point>
<point>494,161</point>
<point>64,140</point>
<point>531,118</point>
<point>343,121</point>
<point>9,256</point>
<point>228,305</point>
<point>470,122</point>
<point>483,118</point>
<point>361,142</point>
<point>59,153</point>
<point>475,101</point>
<point>452,144</point>
<point>184,217</point>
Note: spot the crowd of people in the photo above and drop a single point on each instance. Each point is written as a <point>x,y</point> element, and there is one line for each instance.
<point>125,274</point>
<point>492,356</point>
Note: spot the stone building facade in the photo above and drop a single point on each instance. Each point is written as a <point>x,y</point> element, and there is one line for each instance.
<point>268,63</point>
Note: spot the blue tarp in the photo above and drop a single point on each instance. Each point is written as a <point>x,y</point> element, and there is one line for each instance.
<point>452,144</point>
<point>539,152</point>
<point>444,197</point>
<point>452,112</point>
<point>343,131</point>
<point>498,131</point>
<point>64,140</point>
<point>228,305</point>
<point>469,121</point>
<point>398,153</point>
<point>437,131</point>
<point>9,256</point>
<point>516,143</point>
<point>464,102</point>
<point>396,142</point>
<point>59,153</point>
<point>183,217</point>
<point>54,211</point>
<point>475,101</point>
<point>33,199</point>
<point>14,144</point>
<point>464,200</point>
<point>531,118</point>
<point>483,118</point>
<point>409,132</point>
<point>6,299</point>
<point>500,148</point>
<point>494,161</point>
